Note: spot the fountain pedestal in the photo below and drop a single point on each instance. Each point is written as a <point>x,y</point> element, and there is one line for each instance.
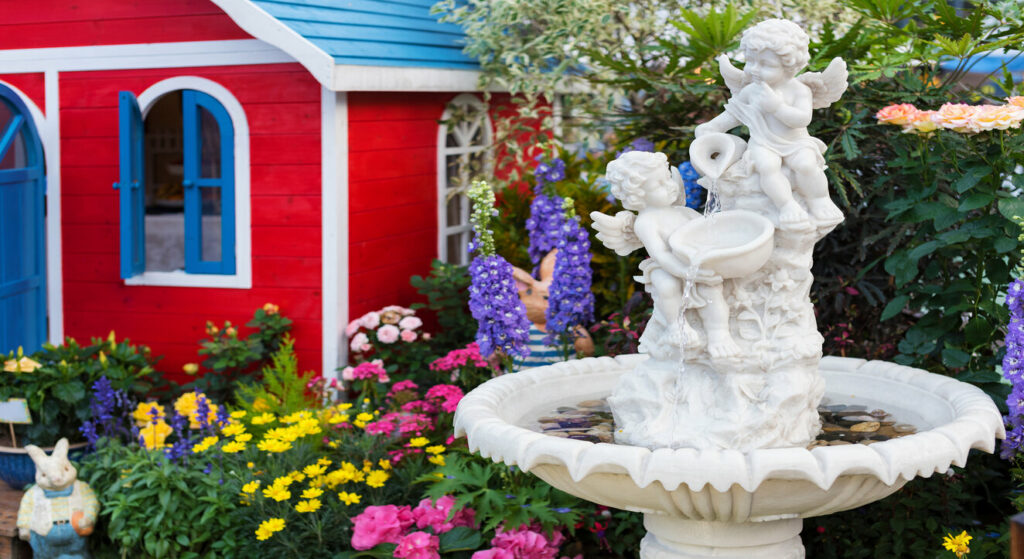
<point>671,537</point>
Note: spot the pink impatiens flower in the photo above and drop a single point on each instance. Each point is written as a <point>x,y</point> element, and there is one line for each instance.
<point>447,395</point>
<point>388,334</point>
<point>418,545</point>
<point>380,524</point>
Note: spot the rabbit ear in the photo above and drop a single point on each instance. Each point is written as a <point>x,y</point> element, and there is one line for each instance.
<point>523,279</point>
<point>547,266</point>
<point>60,451</point>
<point>37,455</point>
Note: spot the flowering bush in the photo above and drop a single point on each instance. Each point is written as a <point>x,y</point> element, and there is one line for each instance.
<point>55,380</point>
<point>466,367</point>
<point>230,358</point>
<point>394,337</point>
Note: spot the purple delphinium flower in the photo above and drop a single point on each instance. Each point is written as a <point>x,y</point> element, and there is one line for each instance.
<point>1013,370</point>
<point>88,430</point>
<point>494,303</point>
<point>694,192</point>
<point>570,300</point>
<point>203,412</point>
<point>493,297</point>
<point>222,416</point>
<point>104,400</point>
<point>544,225</point>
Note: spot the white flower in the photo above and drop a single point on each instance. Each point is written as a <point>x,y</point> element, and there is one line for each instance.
<point>410,323</point>
<point>387,334</point>
<point>370,320</point>
<point>359,341</point>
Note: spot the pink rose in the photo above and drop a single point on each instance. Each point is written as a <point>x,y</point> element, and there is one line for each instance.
<point>365,347</point>
<point>408,336</point>
<point>352,328</point>
<point>387,334</point>
<point>410,323</point>
<point>493,553</point>
<point>370,320</point>
<point>358,341</point>
<point>418,545</point>
<point>346,374</point>
<point>380,524</point>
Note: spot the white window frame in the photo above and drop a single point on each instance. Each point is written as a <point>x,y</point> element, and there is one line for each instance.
<point>242,278</point>
<point>463,135</point>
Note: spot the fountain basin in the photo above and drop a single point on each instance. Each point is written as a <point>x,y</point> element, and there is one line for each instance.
<point>719,495</point>
<point>733,243</point>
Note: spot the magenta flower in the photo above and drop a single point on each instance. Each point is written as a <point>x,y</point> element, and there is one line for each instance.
<point>447,395</point>
<point>380,524</point>
<point>435,515</point>
<point>525,543</point>
<point>493,553</point>
<point>418,545</point>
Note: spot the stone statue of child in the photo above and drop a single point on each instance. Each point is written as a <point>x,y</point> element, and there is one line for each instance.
<point>775,105</point>
<point>643,182</point>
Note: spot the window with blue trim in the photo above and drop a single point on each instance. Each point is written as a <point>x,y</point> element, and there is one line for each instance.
<point>177,185</point>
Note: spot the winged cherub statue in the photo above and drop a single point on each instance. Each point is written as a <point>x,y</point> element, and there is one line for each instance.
<point>775,105</point>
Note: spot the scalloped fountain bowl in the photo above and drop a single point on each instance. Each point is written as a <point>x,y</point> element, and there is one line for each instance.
<point>728,503</point>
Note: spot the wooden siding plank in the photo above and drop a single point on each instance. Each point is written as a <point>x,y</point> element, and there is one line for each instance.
<point>285,148</point>
<point>403,134</point>
<point>295,211</point>
<point>281,241</point>
<point>385,193</point>
<point>169,29</point>
<point>277,179</point>
<point>76,10</point>
<point>390,222</point>
<point>393,106</point>
<point>381,253</point>
<point>411,10</point>
<point>287,271</point>
<point>283,118</point>
<point>377,32</point>
<point>382,164</point>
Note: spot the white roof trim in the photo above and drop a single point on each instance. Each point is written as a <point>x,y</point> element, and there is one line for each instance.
<point>343,77</point>
<point>265,27</point>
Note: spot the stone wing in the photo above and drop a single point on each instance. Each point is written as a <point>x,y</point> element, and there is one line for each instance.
<point>828,85</point>
<point>616,232</point>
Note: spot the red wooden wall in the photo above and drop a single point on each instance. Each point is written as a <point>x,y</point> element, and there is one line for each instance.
<point>74,23</point>
<point>392,195</point>
<point>32,85</point>
<point>282,105</point>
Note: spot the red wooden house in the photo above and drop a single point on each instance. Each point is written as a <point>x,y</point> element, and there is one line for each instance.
<point>168,162</point>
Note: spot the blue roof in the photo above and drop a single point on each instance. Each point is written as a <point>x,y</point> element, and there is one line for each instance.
<point>375,32</point>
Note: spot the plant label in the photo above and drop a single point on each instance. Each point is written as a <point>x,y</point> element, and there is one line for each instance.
<point>15,410</point>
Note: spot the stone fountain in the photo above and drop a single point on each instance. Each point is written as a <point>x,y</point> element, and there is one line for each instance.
<point>715,418</point>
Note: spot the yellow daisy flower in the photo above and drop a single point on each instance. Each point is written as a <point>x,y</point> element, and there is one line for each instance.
<point>419,441</point>
<point>348,498</point>
<point>308,506</point>
<point>376,478</point>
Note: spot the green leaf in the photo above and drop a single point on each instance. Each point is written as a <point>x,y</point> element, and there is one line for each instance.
<point>978,331</point>
<point>955,358</point>
<point>895,305</point>
<point>460,538</point>
<point>70,392</point>
<point>971,177</point>
<point>975,201</point>
<point>1011,207</point>
<point>1004,245</point>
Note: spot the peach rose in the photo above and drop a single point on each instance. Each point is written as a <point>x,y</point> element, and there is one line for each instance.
<point>956,116</point>
<point>998,117</point>
<point>896,114</point>
<point>1015,101</point>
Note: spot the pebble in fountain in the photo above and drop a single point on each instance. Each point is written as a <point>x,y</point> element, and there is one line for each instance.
<point>733,343</point>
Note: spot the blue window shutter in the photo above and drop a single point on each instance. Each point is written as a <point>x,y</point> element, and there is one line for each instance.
<point>132,202</point>
<point>196,184</point>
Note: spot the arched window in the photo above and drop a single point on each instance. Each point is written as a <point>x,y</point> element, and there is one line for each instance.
<point>184,186</point>
<point>463,137</point>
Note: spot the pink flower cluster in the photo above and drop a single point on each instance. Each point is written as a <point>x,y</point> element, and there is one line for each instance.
<point>390,523</point>
<point>523,543</point>
<point>445,395</point>
<point>388,325</point>
<point>958,117</point>
<point>458,358</point>
<point>402,386</point>
<point>370,370</point>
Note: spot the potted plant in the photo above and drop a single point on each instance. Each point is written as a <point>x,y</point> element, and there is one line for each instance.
<point>54,383</point>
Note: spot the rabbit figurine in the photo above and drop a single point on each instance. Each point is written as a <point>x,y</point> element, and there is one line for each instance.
<point>534,295</point>
<point>58,512</point>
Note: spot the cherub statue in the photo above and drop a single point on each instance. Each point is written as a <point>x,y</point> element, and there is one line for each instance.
<point>643,183</point>
<point>775,105</point>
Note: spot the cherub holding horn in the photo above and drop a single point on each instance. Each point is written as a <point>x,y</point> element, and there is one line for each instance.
<point>775,105</point>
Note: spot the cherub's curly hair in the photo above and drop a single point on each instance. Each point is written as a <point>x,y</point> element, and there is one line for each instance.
<point>783,37</point>
<point>630,170</point>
